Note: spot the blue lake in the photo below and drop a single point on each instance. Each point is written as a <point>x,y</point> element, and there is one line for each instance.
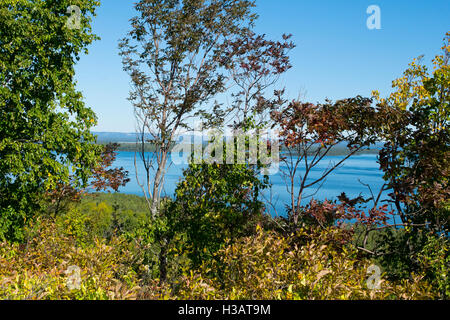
<point>346,179</point>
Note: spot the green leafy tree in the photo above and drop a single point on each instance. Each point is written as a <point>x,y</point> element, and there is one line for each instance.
<point>44,124</point>
<point>216,202</point>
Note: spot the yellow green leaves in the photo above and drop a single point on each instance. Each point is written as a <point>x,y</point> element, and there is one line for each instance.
<point>416,130</point>
<point>266,265</point>
<point>39,271</point>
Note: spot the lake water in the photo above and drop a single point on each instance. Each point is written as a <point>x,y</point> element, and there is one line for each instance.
<point>346,179</point>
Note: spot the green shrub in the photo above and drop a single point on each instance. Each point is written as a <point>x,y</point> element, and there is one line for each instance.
<point>215,202</point>
<point>435,261</point>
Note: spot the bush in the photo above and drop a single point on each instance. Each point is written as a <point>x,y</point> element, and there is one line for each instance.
<point>435,261</point>
<point>311,264</point>
<point>269,266</point>
<point>213,203</point>
<point>38,269</point>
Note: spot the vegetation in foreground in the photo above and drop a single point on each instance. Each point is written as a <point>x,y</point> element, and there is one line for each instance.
<point>119,263</point>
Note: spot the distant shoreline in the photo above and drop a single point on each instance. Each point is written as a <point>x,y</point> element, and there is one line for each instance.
<point>127,143</point>
<point>336,151</point>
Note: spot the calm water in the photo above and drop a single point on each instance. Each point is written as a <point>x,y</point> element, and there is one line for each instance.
<point>345,179</point>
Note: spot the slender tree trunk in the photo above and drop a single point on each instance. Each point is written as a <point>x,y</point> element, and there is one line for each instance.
<point>157,184</point>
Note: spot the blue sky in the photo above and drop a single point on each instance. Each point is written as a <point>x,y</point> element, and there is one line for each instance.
<point>336,56</point>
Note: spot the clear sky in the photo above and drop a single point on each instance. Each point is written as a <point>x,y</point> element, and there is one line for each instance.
<point>336,56</point>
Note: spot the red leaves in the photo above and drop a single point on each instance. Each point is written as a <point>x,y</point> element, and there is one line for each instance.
<point>105,178</point>
<point>257,56</point>
<point>350,211</point>
<point>326,124</point>
<point>329,213</point>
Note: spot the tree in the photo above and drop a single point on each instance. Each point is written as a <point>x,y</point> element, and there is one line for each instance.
<point>104,177</point>
<point>255,64</point>
<point>415,160</point>
<point>416,155</point>
<point>215,202</point>
<point>44,124</point>
<point>173,55</point>
<point>309,132</point>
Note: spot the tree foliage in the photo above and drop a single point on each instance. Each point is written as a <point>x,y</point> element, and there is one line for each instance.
<point>309,132</point>
<point>173,55</point>
<point>215,202</point>
<point>415,158</point>
<point>103,178</point>
<point>44,124</point>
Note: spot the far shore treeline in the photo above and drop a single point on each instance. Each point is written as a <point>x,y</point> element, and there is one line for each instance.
<point>335,151</point>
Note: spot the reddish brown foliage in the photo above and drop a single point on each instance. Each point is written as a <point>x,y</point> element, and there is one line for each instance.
<point>309,132</point>
<point>103,178</point>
